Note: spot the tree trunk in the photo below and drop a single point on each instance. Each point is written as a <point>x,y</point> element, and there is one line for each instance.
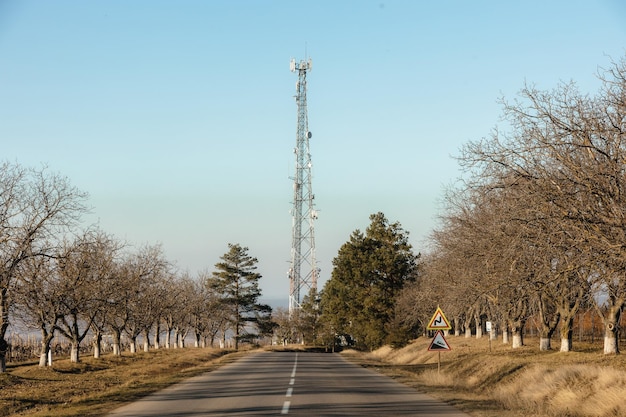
<point>493,334</point>
<point>146,340</point>
<point>468,331</point>
<point>505,333</point>
<point>610,319</point>
<point>97,344</point>
<point>43,357</point>
<point>181,339</point>
<point>237,324</point>
<point>117,336</point>
<point>567,333</point>
<point>176,338</point>
<point>157,336</point>
<point>611,330</point>
<point>133,344</point>
<point>75,351</point>
<point>4,325</point>
<point>549,319</point>
<point>457,326</point>
<point>517,330</point>
<point>168,337</point>
<point>479,327</point>
<point>46,339</point>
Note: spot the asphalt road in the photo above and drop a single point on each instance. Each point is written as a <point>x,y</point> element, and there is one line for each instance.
<point>292,384</point>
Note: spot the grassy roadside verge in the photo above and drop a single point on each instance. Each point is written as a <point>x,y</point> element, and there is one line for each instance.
<point>97,386</point>
<point>497,381</point>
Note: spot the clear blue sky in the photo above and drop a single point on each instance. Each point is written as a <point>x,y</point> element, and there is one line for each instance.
<point>178,117</point>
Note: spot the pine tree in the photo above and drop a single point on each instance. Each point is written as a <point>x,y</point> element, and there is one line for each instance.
<point>369,271</point>
<point>237,284</point>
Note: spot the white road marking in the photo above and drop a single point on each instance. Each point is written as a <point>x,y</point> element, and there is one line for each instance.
<point>295,365</point>
<point>292,381</point>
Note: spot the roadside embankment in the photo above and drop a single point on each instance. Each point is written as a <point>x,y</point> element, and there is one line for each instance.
<point>493,380</point>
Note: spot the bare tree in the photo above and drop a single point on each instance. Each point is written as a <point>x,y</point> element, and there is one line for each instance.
<point>36,207</point>
<point>38,300</point>
<point>86,268</point>
<point>569,150</point>
<point>148,270</point>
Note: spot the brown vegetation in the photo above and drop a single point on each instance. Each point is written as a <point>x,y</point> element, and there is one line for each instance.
<point>482,380</point>
<point>502,382</point>
<point>95,386</point>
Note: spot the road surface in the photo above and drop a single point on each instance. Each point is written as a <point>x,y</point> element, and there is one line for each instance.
<point>291,384</point>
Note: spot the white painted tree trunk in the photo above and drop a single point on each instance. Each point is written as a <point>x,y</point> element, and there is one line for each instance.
<point>157,336</point>
<point>479,327</point>
<point>468,332</point>
<point>146,340</point>
<point>46,339</point>
<point>493,334</point>
<point>74,352</point>
<point>517,340</point>
<point>97,345</point>
<point>117,336</point>
<point>133,345</point>
<point>566,344</point>
<point>567,333</point>
<point>611,322</point>
<point>610,344</point>
<point>544,344</point>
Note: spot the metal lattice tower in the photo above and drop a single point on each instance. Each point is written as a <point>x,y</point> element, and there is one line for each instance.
<point>303,271</point>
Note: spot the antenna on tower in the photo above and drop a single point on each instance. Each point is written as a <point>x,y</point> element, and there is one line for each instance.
<point>303,271</point>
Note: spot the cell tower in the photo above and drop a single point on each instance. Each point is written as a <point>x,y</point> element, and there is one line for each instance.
<point>303,271</point>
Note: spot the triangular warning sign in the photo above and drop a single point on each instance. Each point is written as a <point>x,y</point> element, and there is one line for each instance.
<point>439,342</point>
<point>439,321</point>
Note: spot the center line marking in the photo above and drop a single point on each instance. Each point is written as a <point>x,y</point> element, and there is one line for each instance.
<point>295,365</point>
<point>292,381</point>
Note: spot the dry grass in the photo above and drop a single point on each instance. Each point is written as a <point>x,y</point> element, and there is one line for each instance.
<point>94,387</point>
<point>507,383</point>
<point>497,383</point>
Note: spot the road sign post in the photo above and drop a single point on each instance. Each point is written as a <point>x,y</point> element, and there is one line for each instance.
<point>439,322</point>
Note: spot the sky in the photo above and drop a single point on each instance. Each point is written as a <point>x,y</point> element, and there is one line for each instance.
<point>179,119</point>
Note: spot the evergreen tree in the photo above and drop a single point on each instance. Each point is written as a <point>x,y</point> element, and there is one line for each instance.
<point>358,302</point>
<point>237,284</point>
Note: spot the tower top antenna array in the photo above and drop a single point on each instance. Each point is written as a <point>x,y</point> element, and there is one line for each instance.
<point>303,271</point>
